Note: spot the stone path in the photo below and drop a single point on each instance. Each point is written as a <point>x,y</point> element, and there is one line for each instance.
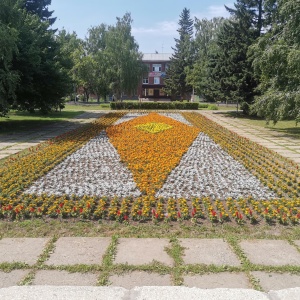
<point>131,262</point>
<point>14,143</point>
<point>283,144</point>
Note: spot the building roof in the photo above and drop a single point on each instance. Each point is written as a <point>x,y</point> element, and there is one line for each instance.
<point>156,56</point>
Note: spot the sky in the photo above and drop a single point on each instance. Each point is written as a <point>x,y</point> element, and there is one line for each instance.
<point>155,22</point>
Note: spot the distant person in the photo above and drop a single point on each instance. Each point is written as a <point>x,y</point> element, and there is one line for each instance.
<point>113,98</point>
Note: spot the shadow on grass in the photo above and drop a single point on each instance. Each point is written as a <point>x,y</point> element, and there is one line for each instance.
<point>21,121</point>
<point>286,129</point>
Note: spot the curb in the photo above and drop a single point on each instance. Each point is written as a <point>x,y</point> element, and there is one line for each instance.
<point>141,293</point>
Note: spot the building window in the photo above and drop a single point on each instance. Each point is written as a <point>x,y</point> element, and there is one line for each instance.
<point>156,80</point>
<point>145,80</point>
<point>156,67</point>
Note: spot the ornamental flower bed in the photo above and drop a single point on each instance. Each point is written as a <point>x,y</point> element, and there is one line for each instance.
<point>141,167</point>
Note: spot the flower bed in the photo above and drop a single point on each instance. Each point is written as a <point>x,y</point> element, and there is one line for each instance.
<point>91,180</point>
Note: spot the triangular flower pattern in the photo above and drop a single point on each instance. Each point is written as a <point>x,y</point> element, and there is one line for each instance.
<point>151,156</point>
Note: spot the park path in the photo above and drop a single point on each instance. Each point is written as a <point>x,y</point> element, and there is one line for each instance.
<point>13,143</point>
<point>141,262</point>
<point>284,144</point>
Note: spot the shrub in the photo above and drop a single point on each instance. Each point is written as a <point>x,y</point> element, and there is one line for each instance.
<point>154,105</point>
<point>203,105</point>
<point>212,107</point>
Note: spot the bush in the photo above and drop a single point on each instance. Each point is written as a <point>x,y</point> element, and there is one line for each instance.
<point>203,105</point>
<point>154,105</point>
<point>245,107</point>
<point>212,107</point>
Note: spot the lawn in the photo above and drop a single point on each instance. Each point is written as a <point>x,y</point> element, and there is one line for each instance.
<point>286,127</point>
<point>17,121</point>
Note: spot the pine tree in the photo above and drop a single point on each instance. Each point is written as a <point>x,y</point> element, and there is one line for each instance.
<point>40,8</point>
<point>183,57</point>
<point>233,71</point>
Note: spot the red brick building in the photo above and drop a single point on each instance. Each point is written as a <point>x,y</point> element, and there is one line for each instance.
<point>152,85</point>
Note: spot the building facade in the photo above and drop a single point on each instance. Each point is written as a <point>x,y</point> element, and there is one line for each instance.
<point>153,83</point>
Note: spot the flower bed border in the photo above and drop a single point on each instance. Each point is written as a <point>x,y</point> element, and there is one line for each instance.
<point>270,167</point>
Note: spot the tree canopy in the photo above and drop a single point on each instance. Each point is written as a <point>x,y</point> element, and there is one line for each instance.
<point>182,59</point>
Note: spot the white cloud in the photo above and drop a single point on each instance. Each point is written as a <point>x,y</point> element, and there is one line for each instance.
<point>165,28</point>
<point>214,11</point>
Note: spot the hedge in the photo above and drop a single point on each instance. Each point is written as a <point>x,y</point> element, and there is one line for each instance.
<point>154,105</point>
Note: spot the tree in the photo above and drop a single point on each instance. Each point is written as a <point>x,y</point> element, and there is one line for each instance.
<point>95,46</point>
<point>205,47</point>
<point>40,8</point>
<point>277,64</point>
<point>9,78</point>
<point>68,44</point>
<point>183,57</point>
<point>125,61</point>
<point>232,69</point>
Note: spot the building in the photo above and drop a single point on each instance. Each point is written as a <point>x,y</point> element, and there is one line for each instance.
<point>152,85</point>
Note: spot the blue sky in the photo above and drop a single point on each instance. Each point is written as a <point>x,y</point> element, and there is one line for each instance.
<point>154,21</point>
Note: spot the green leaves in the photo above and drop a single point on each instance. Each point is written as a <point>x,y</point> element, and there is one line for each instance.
<point>277,65</point>
<point>182,59</point>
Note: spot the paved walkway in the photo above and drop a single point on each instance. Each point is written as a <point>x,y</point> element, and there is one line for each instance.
<point>14,143</point>
<point>134,262</point>
<point>283,144</point>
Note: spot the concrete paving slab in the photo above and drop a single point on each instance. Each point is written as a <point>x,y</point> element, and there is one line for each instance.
<point>64,278</point>
<point>270,252</point>
<point>136,251</point>
<point>5,145</point>
<point>9,151</point>
<point>25,250</point>
<point>184,293</point>
<point>277,281</point>
<point>139,278</point>
<point>12,278</point>
<point>208,251</point>
<point>62,293</point>
<point>297,243</point>
<point>78,250</point>
<point>218,280</point>
<point>287,294</point>
<point>140,293</point>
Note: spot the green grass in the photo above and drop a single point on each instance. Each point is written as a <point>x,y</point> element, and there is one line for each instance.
<point>18,121</point>
<point>286,127</point>
<point>87,106</point>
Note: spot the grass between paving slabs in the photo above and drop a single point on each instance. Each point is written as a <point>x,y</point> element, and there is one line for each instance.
<point>175,250</point>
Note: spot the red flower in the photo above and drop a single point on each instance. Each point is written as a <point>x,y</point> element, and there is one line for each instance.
<point>32,209</point>
<point>194,211</point>
<point>118,213</point>
<point>61,205</point>
<point>125,217</point>
<point>139,212</point>
<point>179,214</point>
